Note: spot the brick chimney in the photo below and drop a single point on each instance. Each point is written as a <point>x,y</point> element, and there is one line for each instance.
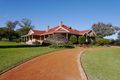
<point>48,27</point>
<point>60,24</point>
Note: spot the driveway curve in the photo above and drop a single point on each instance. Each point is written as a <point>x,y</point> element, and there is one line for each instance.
<point>59,65</point>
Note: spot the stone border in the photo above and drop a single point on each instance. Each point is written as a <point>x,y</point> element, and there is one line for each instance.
<point>81,68</point>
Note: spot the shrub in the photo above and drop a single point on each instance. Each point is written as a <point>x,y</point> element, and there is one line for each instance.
<point>102,41</point>
<point>82,39</point>
<point>117,42</point>
<point>56,39</point>
<point>73,39</point>
<point>36,43</point>
<point>45,44</point>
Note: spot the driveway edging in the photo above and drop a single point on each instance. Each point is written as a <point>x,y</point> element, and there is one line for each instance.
<point>81,68</point>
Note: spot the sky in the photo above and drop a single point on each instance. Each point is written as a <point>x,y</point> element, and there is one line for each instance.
<point>79,14</point>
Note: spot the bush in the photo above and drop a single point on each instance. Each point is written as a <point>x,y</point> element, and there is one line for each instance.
<point>46,44</point>
<point>36,43</point>
<point>102,41</point>
<point>56,39</point>
<point>73,39</point>
<point>62,46</point>
<point>82,39</point>
<point>117,42</point>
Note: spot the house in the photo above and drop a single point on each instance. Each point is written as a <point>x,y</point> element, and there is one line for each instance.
<point>66,31</point>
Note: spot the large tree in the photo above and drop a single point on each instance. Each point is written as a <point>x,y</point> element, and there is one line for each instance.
<point>25,25</point>
<point>10,26</point>
<point>102,29</point>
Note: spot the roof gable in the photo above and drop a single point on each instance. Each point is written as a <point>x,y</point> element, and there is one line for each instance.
<point>64,28</point>
<point>30,32</point>
<point>61,28</point>
<point>84,32</point>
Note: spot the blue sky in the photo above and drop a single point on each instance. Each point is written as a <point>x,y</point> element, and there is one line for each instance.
<point>80,14</point>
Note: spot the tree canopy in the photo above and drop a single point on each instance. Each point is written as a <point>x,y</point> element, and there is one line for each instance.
<point>25,25</point>
<point>11,25</point>
<point>9,31</point>
<point>103,30</point>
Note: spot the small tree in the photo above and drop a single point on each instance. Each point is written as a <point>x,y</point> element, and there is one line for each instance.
<point>82,39</point>
<point>73,39</point>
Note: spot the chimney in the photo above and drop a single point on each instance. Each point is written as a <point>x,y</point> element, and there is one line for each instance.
<point>48,27</point>
<point>60,24</point>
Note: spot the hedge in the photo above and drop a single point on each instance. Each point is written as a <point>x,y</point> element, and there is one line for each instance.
<point>82,39</point>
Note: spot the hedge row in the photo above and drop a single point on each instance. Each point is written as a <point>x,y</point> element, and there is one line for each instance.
<point>20,46</point>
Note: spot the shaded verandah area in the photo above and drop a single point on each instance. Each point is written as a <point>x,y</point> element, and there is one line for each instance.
<point>30,38</point>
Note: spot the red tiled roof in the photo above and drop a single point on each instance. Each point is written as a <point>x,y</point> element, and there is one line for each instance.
<point>68,28</point>
<point>84,31</point>
<point>38,32</point>
<point>74,31</point>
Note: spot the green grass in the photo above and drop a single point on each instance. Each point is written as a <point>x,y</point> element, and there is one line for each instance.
<point>7,43</point>
<point>102,63</point>
<point>12,56</point>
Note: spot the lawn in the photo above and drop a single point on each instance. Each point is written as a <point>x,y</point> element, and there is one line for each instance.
<point>5,43</point>
<point>10,57</point>
<point>102,63</point>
